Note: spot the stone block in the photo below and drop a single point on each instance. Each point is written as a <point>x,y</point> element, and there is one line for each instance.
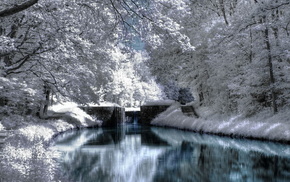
<point>148,113</point>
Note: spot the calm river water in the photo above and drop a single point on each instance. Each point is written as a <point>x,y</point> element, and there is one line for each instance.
<point>132,153</point>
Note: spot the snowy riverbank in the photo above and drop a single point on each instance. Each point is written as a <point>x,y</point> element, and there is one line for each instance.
<point>25,155</point>
<point>262,126</point>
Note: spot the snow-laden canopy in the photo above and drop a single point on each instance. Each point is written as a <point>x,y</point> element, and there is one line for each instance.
<point>233,56</point>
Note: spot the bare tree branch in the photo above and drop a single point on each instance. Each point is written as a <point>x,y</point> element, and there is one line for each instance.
<point>278,6</point>
<point>17,8</point>
<point>24,60</point>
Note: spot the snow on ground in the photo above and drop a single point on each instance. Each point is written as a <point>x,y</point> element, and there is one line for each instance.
<point>63,107</point>
<point>25,154</point>
<point>132,109</point>
<point>262,126</point>
<point>159,102</point>
<point>79,116</point>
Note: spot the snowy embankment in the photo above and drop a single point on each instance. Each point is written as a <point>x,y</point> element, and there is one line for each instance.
<point>25,155</point>
<point>262,126</point>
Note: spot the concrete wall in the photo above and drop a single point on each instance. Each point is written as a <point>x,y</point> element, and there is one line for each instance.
<point>110,116</point>
<point>148,113</point>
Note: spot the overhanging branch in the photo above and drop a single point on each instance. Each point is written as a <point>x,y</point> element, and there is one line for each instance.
<point>17,8</point>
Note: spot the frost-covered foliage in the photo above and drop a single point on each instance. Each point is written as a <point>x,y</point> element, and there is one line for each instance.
<point>166,31</point>
<point>6,46</point>
<point>27,162</point>
<point>25,155</point>
<point>77,51</point>
<point>19,96</point>
<point>131,83</point>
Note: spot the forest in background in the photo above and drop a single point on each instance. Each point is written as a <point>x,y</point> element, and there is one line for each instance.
<point>241,60</point>
<point>233,55</point>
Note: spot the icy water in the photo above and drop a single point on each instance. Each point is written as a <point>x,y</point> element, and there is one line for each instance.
<point>132,153</point>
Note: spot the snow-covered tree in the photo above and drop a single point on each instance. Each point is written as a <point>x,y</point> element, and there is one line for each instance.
<point>240,59</point>
<point>66,48</point>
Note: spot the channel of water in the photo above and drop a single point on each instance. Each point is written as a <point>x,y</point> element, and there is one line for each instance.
<point>131,153</point>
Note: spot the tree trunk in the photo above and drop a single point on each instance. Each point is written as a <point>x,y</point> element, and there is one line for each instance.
<point>44,106</point>
<point>47,100</point>
<point>251,46</point>
<point>271,73</point>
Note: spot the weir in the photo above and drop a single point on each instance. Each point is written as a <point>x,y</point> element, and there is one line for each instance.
<point>113,115</point>
<point>132,116</point>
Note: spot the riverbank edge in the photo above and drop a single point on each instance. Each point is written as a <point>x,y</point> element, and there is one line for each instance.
<point>233,136</point>
<point>174,118</point>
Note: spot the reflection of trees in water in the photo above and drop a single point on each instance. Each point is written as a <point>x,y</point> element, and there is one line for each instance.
<point>85,168</point>
<point>271,168</point>
<point>116,136</point>
<point>106,165</point>
<point>179,164</point>
<point>193,162</point>
<point>151,139</point>
<point>113,156</point>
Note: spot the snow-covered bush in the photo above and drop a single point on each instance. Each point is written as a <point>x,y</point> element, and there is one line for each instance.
<point>26,157</point>
<point>19,97</point>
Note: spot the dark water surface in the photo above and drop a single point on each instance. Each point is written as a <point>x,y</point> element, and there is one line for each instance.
<point>132,153</point>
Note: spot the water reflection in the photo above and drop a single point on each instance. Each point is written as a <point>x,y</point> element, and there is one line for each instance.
<point>134,153</point>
